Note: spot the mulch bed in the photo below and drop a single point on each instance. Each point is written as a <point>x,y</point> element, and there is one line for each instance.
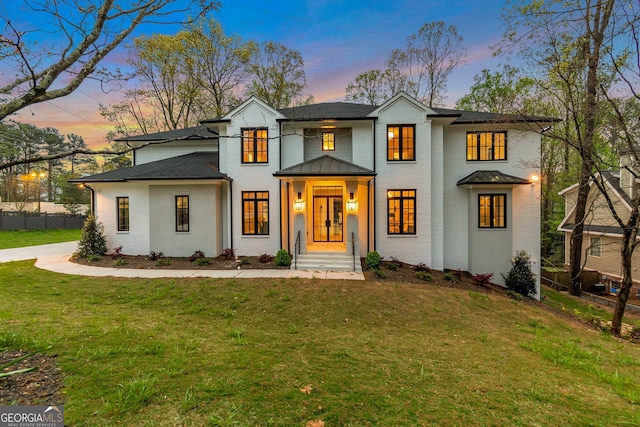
<point>42,386</point>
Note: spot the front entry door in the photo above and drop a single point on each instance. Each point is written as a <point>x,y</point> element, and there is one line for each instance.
<point>327,214</point>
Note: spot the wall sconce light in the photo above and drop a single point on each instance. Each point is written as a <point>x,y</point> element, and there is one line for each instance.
<point>352,204</point>
<point>298,204</point>
<point>534,179</point>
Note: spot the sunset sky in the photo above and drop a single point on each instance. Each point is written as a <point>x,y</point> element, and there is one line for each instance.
<point>338,39</point>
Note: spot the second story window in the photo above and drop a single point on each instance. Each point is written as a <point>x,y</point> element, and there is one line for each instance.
<point>486,146</point>
<point>401,142</point>
<point>328,141</point>
<point>255,146</point>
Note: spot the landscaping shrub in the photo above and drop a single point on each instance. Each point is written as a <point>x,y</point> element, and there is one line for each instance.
<point>379,273</point>
<point>227,254</point>
<point>520,278</point>
<point>202,261</point>
<point>117,253</point>
<point>120,262</point>
<point>161,262</point>
<point>423,275</point>
<point>265,258</point>
<point>92,242</point>
<point>450,277</point>
<point>483,279</point>
<point>421,268</point>
<point>244,261</point>
<point>196,255</point>
<point>155,256</point>
<point>373,260</point>
<point>283,258</point>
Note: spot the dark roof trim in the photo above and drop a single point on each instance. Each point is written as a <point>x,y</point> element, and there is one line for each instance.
<point>325,119</point>
<point>191,133</point>
<point>324,166</point>
<point>215,121</point>
<point>492,178</point>
<point>595,229</point>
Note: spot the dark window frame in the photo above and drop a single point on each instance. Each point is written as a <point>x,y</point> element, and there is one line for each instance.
<point>476,153</point>
<point>333,141</point>
<point>250,145</point>
<point>400,149</point>
<point>182,214</point>
<point>254,200</point>
<point>402,198</point>
<point>492,211</point>
<point>122,215</point>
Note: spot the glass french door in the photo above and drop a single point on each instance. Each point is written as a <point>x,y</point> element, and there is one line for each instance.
<point>327,214</point>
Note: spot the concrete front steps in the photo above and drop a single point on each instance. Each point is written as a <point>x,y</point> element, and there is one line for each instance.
<point>326,261</point>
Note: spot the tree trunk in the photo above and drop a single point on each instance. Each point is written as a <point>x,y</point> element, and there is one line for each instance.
<point>625,286</point>
<point>575,250</point>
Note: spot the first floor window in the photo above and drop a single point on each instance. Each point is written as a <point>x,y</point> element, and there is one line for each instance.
<point>401,211</point>
<point>595,246</point>
<point>492,211</point>
<point>255,212</point>
<point>486,145</point>
<point>182,213</point>
<point>255,146</point>
<point>123,213</point>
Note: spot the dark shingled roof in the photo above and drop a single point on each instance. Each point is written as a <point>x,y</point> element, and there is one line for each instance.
<point>325,166</point>
<point>199,165</point>
<point>471,117</point>
<point>492,177</point>
<point>328,111</point>
<point>196,132</point>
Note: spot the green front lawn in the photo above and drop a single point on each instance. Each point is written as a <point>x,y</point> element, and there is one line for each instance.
<point>275,352</point>
<point>21,238</point>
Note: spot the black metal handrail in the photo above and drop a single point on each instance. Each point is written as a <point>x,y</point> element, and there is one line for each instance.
<point>353,249</point>
<point>296,251</point>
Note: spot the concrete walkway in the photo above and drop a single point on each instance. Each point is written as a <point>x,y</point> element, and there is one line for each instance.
<point>55,257</point>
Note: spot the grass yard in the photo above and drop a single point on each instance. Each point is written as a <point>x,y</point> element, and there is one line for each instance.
<point>221,352</point>
<point>21,238</point>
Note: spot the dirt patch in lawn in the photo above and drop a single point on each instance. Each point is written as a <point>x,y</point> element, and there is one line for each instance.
<point>42,386</point>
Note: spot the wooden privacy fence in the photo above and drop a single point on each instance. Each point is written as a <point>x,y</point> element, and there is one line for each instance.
<point>560,280</point>
<point>39,221</point>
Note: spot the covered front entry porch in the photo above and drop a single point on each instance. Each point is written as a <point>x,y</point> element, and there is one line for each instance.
<point>326,208</point>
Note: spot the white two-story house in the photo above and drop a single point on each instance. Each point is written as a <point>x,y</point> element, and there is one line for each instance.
<point>450,189</point>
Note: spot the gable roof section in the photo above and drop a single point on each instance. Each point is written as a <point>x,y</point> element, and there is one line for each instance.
<point>328,111</point>
<point>198,165</point>
<point>191,133</point>
<point>325,166</point>
<point>492,177</point>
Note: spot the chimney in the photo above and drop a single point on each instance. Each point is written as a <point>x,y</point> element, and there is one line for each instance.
<point>629,174</point>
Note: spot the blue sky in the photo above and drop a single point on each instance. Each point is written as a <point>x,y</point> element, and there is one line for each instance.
<point>338,39</point>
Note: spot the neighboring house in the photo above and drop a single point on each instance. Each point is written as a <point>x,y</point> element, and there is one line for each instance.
<point>447,188</point>
<point>602,235</point>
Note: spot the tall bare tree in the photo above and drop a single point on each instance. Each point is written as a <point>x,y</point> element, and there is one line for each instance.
<point>87,31</point>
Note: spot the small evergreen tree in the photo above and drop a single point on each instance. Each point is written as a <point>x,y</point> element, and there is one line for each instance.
<point>92,242</point>
<point>520,278</point>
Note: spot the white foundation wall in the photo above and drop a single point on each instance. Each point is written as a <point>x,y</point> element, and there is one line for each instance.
<point>136,240</point>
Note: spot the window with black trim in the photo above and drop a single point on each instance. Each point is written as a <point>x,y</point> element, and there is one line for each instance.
<point>486,146</point>
<point>401,142</point>
<point>492,211</point>
<point>255,146</point>
<point>328,141</point>
<point>123,213</point>
<point>182,213</point>
<point>401,211</point>
<point>255,212</point>
<point>595,246</point>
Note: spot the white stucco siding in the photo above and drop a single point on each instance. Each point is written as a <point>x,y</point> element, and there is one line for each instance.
<point>253,177</point>
<point>404,175</point>
<point>526,224</point>
<point>204,217</point>
<point>362,136</point>
<point>136,240</point>
<point>152,153</point>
